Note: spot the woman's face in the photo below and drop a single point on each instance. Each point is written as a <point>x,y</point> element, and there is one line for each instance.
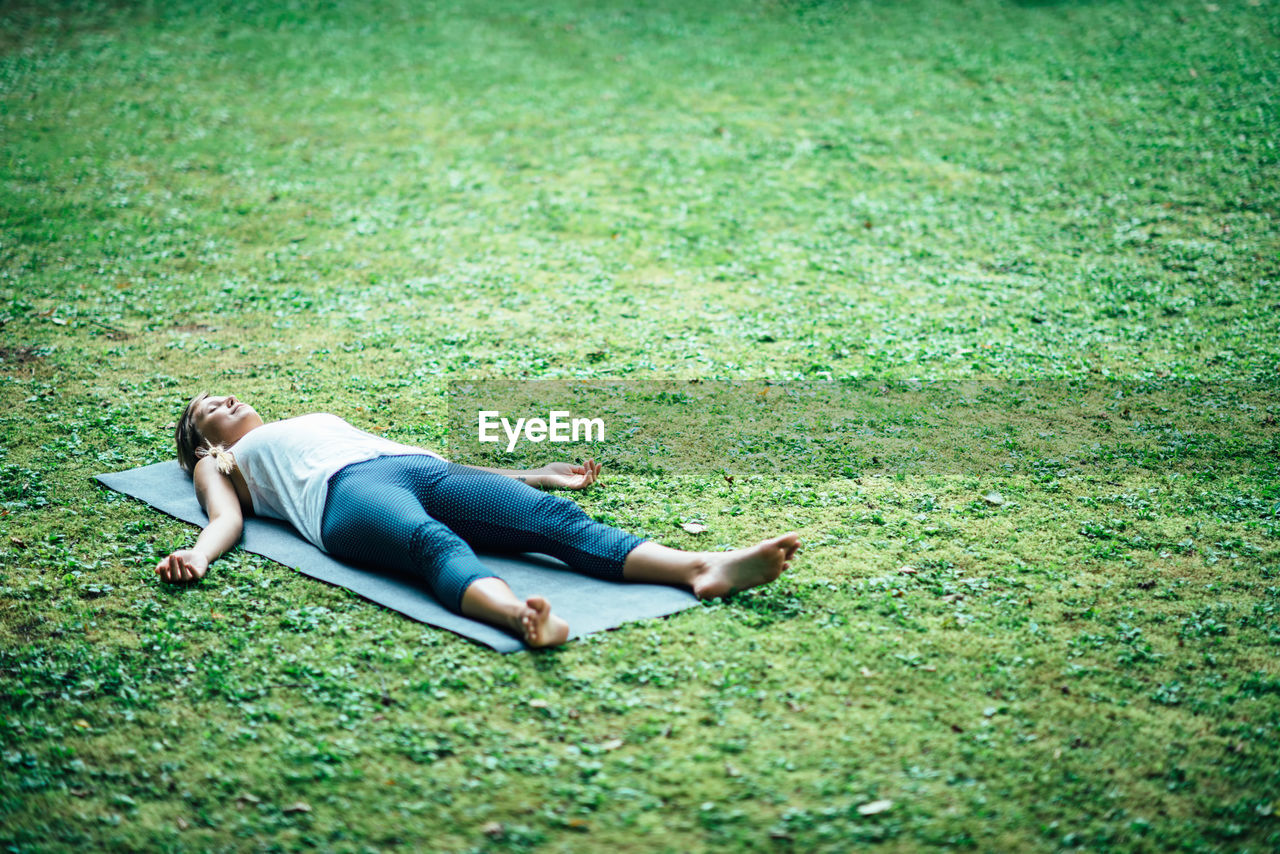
<point>224,420</point>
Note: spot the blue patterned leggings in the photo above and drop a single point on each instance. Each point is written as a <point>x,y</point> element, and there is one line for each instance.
<point>422,516</point>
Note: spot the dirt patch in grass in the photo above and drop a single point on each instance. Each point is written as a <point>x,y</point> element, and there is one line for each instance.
<point>22,354</point>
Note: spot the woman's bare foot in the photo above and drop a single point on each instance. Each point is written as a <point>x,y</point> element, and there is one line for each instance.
<point>539,626</point>
<point>728,572</point>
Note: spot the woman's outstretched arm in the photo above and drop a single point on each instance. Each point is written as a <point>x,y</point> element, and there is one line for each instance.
<point>226,522</point>
<point>554,475</point>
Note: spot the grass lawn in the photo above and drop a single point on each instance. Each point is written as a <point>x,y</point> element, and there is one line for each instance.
<point>348,206</point>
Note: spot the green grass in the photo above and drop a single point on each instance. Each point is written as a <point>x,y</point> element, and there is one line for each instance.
<point>346,206</point>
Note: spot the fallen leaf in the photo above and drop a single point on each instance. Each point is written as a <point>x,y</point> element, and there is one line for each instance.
<point>181,823</point>
<point>248,798</point>
<point>794,706</point>
<point>995,499</point>
<point>82,723</point>
<point>539,704</point>
<point>19,542</point>
<point>612,744</point>
<point>867,674</point>
<point>731,771</point>
<point>493,830</point>
<point>874,807</point>
<point>908,570</point>
<point>300,806</point>
<point>693,527</point>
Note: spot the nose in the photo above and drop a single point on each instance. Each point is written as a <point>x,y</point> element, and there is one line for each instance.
<point>231,401</point>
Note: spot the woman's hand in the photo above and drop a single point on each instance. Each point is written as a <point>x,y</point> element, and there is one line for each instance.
<point>183,565</point>
<point>568,475</point>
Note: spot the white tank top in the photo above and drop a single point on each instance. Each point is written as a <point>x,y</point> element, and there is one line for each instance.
<point>287,465</point>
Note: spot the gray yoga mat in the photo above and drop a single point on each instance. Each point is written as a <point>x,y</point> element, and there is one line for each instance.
<point>589,604</point>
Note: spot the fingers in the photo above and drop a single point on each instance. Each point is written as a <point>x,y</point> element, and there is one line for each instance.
<point>175,568</point>
<point>571,476</point>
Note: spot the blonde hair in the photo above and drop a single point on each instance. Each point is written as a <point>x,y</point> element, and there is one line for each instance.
<point>192,445</point>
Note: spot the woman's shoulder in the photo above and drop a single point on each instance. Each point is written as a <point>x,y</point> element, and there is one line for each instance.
<point>206,467</point>
<point>208,477</point>
<point>213,467</point>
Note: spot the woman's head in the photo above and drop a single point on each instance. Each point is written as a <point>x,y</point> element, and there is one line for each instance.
<point>209,425</point>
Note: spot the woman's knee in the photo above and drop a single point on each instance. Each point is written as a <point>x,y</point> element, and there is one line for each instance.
<point>556,513</point>
<point>432,541</point>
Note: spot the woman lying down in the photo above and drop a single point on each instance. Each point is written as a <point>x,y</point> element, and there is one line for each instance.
<point>384,505</point>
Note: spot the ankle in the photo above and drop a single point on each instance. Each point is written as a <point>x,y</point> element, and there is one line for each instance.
<point>701,570</point>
